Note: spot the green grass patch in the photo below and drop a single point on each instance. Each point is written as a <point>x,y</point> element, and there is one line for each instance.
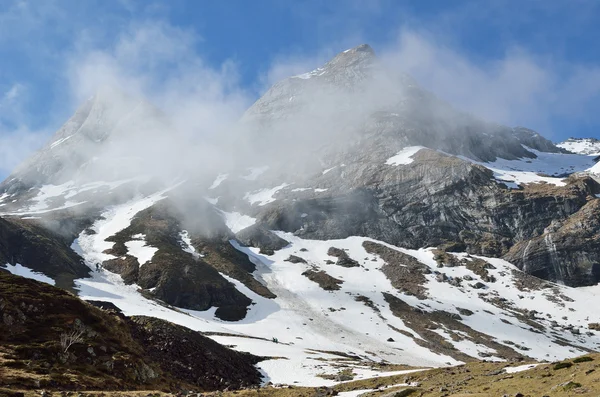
<point>562,365</point>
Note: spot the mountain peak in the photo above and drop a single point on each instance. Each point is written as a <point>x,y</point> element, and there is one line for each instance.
<point>362,48</point>
<point>357,56</point>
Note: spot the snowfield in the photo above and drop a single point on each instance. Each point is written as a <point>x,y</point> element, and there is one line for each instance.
<point>58,197</point>
<point>585,146</point>
<point>236,221</point>
<point>404,156</point>
<point>138,248</point>
<point>264,196</point>
<point>312,324</point>
<point>547,167</point>
<point>20,270</point>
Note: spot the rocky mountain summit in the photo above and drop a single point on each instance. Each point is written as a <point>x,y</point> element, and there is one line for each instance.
<point>350,214</point>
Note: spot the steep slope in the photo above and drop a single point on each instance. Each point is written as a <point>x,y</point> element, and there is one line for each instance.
<point>78,145</point>
<point>355,96</point>
<point>50,338</point>
<point>26,243</point>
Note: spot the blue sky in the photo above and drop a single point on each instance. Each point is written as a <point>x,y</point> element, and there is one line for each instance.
<point>532,63</point>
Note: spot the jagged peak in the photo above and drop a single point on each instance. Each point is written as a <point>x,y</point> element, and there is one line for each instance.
<point>359,56</point>
<point>353,59</point>
<point>362,49</point>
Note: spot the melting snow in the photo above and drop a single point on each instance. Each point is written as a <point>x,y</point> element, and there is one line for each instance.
<point>26,272</point>
<point>140,250</point>
<point>305,318</point>
<point>112,221</point>
<point>264,196</point>
<point>520,368</point>
<point>186,244</point>
<point>236,221</point>
<point>47,192</point>
<point>404,156</point>
<point>41,203</point>
<point>586,146</point>
<point>547,167</point>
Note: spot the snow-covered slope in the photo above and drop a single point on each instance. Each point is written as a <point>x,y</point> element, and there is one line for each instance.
<point>585,146</point>
<point>305,241</point>
<point>318,327</point>
<point>541,320</point>
<point>550,168</point>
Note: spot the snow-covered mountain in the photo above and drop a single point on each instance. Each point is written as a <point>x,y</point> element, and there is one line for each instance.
<point>586,146</point>
<point>355,217</point>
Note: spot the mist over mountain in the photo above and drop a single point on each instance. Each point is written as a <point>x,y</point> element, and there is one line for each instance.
<point>348,216</point>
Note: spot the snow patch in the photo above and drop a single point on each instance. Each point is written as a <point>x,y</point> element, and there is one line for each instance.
<point>112,221</point>
<point>550,168</point>
<point>20,270</point>
<point>404,156</point>
<point>186,244</point>
<point>264,196</point>
<point>306,76</point>
<point>140,250</point>
<point>236,221</point>
<point>585,146</point>
<point>520,368</point>
<point>328,169</point>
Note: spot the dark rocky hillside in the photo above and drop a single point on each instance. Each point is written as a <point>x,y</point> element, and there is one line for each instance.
<point>32,245</point>
<point>108,350</point>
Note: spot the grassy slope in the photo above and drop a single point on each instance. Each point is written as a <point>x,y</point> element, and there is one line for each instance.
<point>474,379</point>
<point>115,352</point>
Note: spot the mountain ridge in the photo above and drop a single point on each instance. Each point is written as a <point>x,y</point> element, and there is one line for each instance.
<point>345,177</point>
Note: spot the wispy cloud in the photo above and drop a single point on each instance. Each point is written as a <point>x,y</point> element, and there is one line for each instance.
<point>17,140</point>
<point>142,53</point>
<point>519,88</point>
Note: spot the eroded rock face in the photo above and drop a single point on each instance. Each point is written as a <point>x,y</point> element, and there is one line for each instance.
<point>260,237</point>
<point>439,200</point>
<point>568,249</point>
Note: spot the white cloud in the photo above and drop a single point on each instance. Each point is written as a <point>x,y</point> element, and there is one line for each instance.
<point>521,88</point>
<point>12,94</point>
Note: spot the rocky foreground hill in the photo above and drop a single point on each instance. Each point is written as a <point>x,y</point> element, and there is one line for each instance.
<point>52,340</point>
<point>350,216</point>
